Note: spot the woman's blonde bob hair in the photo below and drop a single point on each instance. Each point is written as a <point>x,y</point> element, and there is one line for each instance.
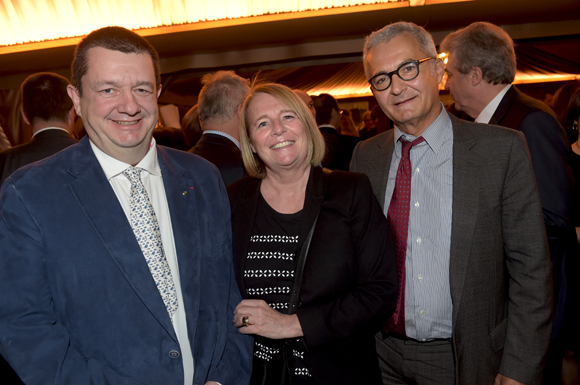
<point>254,165</point>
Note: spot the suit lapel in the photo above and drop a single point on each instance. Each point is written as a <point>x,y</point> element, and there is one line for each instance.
<point>505,104</point>
<point>380,163</point>
<point>312,201</point>
<point>180,192</point>
<point>103,210</point>
<point>242,229</point>
<point>466,181</point>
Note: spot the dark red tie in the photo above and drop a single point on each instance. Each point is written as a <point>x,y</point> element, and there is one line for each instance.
<point>399,219</point>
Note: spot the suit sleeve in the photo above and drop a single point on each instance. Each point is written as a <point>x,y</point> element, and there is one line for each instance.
<point>550,154</point>
<point>528,264</point>
<point>33,340</point>
<point>234,366</point>
<point>364,305</point>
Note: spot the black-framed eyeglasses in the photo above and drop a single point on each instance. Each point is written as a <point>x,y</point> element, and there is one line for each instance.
<point>406,71</point>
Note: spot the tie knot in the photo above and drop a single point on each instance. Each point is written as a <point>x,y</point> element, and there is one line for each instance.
<point>133,174</point>
<point>406,146</point>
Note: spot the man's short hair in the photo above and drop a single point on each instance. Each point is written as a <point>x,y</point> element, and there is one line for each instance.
<point>387,33</point>
<point>486,46</point>
<point>44,97</point>
<point>324,104</point>
<point>114,39</point>
<point>222,93</point>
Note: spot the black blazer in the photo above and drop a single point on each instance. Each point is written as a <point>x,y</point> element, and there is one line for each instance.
<point>222,152</point>
<point>350,284</point>
<point>42,145</point>
<point>550,152</point>
<point>551,158</point>
<point>339,148</point>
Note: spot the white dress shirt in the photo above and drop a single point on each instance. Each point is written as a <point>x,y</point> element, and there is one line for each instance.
<point>487,113</point>
<point>49,128</point>
<point>153,182</point>
<point>428,306</point>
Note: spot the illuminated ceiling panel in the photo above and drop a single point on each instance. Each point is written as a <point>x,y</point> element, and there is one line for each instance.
<point>25,21</point>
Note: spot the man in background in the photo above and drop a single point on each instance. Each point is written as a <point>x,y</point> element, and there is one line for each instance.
<point>338,147</point>
<point>307,99</point>
<point>370,128</point>
<point>219,104</point>
<point>47,107</point>
<point>481,67</point>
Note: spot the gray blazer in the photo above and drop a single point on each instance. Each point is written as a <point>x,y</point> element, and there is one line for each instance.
<point>499,273</point>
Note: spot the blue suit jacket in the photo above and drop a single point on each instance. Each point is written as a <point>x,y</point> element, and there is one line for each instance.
<point>79,304</point>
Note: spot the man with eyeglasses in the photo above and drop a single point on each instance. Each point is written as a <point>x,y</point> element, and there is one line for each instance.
<point>474,270</point>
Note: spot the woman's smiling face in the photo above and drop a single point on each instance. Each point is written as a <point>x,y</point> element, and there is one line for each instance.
<point>277,134</point>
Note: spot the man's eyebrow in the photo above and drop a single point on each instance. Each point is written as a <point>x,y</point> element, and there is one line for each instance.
<point>105,83</point>
<point>113,83</point>
<point>144,83</point>
<point>383,72</point>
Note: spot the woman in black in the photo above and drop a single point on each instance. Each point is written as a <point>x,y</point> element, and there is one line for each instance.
<point>349,286</point>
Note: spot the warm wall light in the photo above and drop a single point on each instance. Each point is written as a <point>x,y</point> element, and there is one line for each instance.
<point>25,21</point>
<point>523,78</point>
<point>342,92</point>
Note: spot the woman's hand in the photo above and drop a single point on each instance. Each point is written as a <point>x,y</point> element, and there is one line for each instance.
<point>265,321</point>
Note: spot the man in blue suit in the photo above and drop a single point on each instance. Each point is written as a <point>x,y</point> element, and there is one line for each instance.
<point>86,298</point>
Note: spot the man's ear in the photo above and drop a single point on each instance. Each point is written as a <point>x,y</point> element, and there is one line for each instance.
<point>335,117</point>
<point>24,117</point>
<point>75,97</point>
<point>476,75</point>
<point>159,91</point>
<point>71,118</point>
<point>439,69</point>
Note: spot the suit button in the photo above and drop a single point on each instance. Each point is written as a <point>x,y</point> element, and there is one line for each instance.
<point>174,354</point>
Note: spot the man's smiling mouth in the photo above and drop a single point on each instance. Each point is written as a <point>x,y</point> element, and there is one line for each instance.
<point>126,123</point>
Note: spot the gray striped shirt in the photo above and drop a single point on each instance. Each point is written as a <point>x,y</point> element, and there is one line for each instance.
<point>428,306</point>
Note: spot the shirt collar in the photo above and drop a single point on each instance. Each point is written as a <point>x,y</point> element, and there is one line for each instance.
<point>487,113</point>
<point>327,125</point>
<point>225,135</point>
<point>435,135</point>
<point>113,167</point>
<point>49,128</point>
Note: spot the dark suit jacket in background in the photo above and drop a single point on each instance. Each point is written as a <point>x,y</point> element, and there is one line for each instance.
<point>222,152</point>
<point>42,145</point>
<point>365,133</point>
<point>550,152</point>
<point>79,304</point>
<point>499,269</point>
<point>349,287</point>
<point>339,148</point>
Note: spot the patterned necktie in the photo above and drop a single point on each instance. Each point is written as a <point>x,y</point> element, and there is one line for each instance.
<point>146,230</point>
<point>398,214</point>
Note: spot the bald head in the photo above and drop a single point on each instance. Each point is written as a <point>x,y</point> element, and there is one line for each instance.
<point>307,100</point>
